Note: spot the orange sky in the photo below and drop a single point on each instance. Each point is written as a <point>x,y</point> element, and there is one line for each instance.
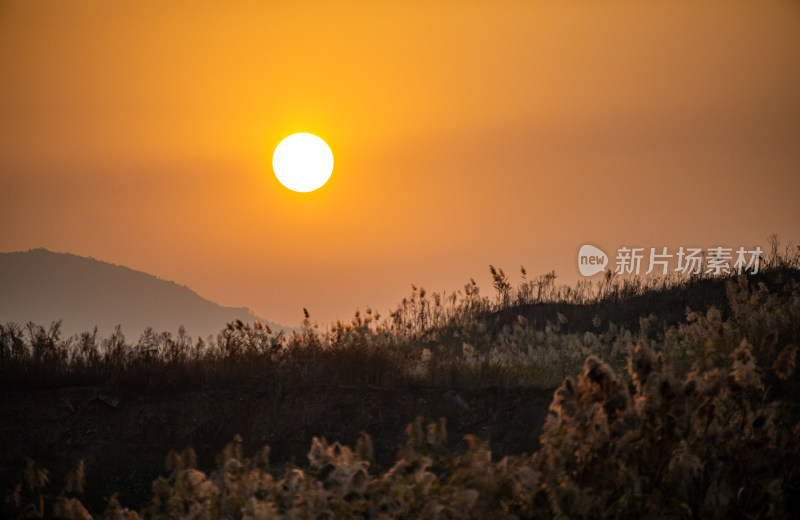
<point>464,133</point>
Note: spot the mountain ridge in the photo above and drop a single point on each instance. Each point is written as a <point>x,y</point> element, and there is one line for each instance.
<point>43,286</point>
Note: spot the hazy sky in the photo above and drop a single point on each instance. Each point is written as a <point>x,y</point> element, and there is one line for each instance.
<point>464,133</point>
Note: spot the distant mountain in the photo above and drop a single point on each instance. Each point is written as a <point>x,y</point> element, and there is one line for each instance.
<point>42,287</point>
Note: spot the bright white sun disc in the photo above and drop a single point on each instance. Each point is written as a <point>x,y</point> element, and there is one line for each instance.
<point>303,162</point>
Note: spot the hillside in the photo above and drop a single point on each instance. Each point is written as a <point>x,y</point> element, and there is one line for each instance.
<point>42,286</point>
<point>534,403</point>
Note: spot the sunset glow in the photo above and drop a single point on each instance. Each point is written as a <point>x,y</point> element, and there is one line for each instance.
<point>513,259</point>
<point>464,134</point>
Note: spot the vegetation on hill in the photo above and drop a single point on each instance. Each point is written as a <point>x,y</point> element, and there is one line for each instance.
<point>534,334</point>
<point>675,413</point>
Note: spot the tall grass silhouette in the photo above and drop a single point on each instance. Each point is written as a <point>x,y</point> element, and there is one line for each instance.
<point>651,416</point>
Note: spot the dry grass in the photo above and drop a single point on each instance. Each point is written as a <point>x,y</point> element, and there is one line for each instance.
<point>697,419</point>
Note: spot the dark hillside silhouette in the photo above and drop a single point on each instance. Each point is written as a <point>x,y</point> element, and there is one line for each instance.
<point>42,286</point>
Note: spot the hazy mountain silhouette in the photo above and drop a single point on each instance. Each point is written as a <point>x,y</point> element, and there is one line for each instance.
<point>42,287</point>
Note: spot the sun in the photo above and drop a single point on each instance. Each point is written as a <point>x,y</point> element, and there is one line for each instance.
<point>303,162</point>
